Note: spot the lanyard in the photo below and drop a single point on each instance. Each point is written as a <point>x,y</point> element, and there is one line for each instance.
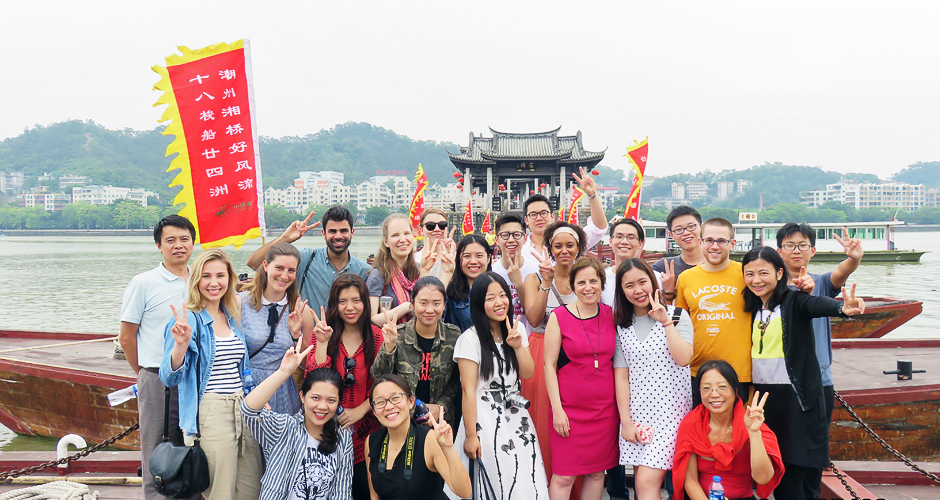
<point>409,452</point>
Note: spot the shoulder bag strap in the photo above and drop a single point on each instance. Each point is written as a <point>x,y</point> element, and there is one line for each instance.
<point>303,276</point>
<point>270,337</point>
<point>676,315</point>
<point>166,414</point>
<point>198,333</point>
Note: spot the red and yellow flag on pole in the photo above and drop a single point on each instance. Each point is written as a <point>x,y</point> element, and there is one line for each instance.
<point>637,154</point>
<point>561,212</point>
<point>417,201</point>
<point>487,226</point>
<point>210,106</point>
<point>576,195</point>
<point>468,217</point>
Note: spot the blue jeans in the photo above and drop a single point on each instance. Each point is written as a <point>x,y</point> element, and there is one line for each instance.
<point>617,483</point>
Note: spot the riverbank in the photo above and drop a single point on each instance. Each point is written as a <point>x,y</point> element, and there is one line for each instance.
<point>272,232</point>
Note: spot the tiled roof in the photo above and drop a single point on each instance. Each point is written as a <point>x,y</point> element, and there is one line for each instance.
<point>539,145</point>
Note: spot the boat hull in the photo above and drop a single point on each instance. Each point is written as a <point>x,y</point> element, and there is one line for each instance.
<point>870,256</point>
<point>882,315</point>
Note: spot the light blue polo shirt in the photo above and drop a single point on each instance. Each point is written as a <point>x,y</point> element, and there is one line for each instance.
<point>146,303</point>
<point>315,288</point>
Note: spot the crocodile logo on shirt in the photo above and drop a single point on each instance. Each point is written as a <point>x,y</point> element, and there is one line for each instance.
<point>707,305</point>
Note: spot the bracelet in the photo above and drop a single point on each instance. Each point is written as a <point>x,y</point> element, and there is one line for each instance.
<point>592,197</point>
<point>546,290</point>
<point>670,295</point>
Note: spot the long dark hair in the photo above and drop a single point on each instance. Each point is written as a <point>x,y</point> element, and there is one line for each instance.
<point>725,370</point>
<point>458,289</point>
<point>753,303</point>
<point>623,308</point>
<point>481,323</point>
<point>330,433</point>
<point>335,319</point>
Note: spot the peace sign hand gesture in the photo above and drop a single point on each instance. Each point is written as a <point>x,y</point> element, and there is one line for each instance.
<point>754,413</point>
<point>295,320</point>
<point>804,282</point>
<point>182,332</point>
<point>668,276</point>
<point>442,430</point>
<point>586,182</point>
<point>546,267</point>
<point>514,336</point>
<point>852,246</point>
<point>430,257</point>
<point>321,330</point>
<point>294,356</point>
<point>852,305</point>
<point>390,330</point>
<point>658,310</point>
<point>298,228</point>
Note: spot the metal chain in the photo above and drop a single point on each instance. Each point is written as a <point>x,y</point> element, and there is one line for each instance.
<point>844,482</point>
<point>883,443</point>
<point>84,453</point>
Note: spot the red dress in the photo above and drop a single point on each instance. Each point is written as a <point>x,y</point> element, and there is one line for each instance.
<point>586,385</point>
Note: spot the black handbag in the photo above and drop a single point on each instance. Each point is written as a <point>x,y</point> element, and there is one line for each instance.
<point>180,471</point>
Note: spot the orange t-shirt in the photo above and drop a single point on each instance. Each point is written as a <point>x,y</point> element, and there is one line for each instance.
<point>716,305</point>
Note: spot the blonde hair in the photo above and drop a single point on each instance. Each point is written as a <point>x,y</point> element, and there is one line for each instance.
<point>384,261</point>
<point>431,210</point>
<point>256,289</point>
<point>195,301</point>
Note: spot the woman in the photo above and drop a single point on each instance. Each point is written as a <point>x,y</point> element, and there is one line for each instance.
<point>720,437</point>
<point>651,374</point>
<point>579,374</point>
<point>308,454</point>
<point>496,427</point>
<point>475,256</point>
<point>273,318</point>
<point>351,353</point>
<point>218,348</point>
<point>433,227</point>
<point>422,350</point>
<point>392,476</point>
<point>544,291</point>
<point>784,364</point>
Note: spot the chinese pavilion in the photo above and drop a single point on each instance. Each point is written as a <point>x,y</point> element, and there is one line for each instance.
<point>511,166</point>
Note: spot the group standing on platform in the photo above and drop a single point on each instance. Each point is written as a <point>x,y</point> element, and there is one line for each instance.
<point>524,369</point>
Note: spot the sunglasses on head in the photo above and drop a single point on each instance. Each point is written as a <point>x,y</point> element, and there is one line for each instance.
<point>442,225</point>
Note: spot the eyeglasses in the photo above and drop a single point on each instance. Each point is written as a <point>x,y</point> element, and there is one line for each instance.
<point>516,235</point>
<point>721,389</point>
<point>442,225</point>
<point>534,215</point>
<point>396,398</point>
<point>350,379</point>
<point>791,247</point>
<point>680,229</point>
<point>721,242</point>
<point>632,238</point>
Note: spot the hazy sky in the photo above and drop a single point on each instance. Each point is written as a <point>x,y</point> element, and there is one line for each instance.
<point>847,86</point>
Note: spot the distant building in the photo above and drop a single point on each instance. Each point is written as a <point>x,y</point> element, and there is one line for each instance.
<point>678,190</point>
<point>105,195</point>
<point>50,202</point>
<point>11,182</point>
<point>868,195</point>
<point>323,175</point>
<point>73,180</point>
<point>743,183</point>
<point>695,190</point>
<point>725,190</point>
<point>667,203</point>
<point>609,196</point>
<point>932,197</point>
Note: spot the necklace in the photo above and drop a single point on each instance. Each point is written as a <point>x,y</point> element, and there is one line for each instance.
<point>762,327</point>
<point>593,350</point>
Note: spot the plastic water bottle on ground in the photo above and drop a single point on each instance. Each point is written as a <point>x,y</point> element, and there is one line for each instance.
<point>120,396</point>
<point>248,382</point>
<point>716,491</point>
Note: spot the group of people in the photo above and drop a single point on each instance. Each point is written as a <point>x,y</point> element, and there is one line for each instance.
<point>445,371</point>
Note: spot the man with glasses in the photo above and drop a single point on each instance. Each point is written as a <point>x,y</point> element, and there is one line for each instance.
<point>319,267</point>
<point>684,226</point>
<point>713,294</point>
<point>512,266</point>
<point>627,238</point>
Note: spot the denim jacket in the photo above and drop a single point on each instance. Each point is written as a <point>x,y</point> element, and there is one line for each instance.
<point>185,375</point>
<point>458,313</point>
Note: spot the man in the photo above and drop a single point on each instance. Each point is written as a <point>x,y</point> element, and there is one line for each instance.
<point>627,238</point>
<point>512,266</point>
<point>712,292</point>
<point>319,267</point>
<point>145,312</point>
<point>684,226</point>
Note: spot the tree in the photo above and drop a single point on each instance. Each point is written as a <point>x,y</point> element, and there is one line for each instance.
<point>375,215</point>
<point>926,173</point>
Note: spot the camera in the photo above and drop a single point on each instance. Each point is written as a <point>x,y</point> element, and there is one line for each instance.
<point>514,399</point>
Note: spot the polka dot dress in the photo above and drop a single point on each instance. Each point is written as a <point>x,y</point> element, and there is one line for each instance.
<point>660,396</point>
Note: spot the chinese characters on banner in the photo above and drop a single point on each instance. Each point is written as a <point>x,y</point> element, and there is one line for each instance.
<point>637,155</point>
<point>417,201</point>
<point>468,218</point>
<point>576,195</point>
<point>211,108</point>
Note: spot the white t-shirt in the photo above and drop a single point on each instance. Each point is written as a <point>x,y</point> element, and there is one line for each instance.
<point>610,285</point>
<point>146,303</point>
<point>594,236</point>
<point>468,345</point>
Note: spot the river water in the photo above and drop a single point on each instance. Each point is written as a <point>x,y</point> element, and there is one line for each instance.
<point>75,283</point>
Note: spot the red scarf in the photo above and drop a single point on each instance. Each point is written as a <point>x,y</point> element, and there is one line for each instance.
<point>402,287</point>
<point>693,438</point>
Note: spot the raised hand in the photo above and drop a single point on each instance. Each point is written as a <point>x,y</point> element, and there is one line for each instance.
<point>297,229</point>
<point>585,181</point>
<point>754,413</point>
<point>447,253</point>
<point>294,356</point>
<point>852,305</point>
<point>668,276</point>
<point>295,320</point>
<point>447,242</point>
<point>804,282</point>
<point>546,266</point>
<point>430,256</point>
<point>321,330</point>
<point>560,422</point>
<point>182,332</point>
<point>657,310</point>
<point>515,274</point>
<point>390,330</point>
<point>852,246</point>
<point>442,430</point>
<point>514,336</point>
<point>629,433</point>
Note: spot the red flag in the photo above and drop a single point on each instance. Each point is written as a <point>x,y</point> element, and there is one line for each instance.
<point>637,154</point>
<point>417,201</point>
<point>468,217</point>
<point>576,195</point>
<point>487,226</point>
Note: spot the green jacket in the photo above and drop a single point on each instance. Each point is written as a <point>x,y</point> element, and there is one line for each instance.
<point>405,360</point>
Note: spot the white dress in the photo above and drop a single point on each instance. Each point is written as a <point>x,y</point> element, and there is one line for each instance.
<point>660,396</point>
<point>510,451</point>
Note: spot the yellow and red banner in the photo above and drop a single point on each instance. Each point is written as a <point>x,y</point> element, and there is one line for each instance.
<point>487,226</point>
<point>468,217</point>
<point>576,195</point>
<point>637,155</point>
<point>210,105</point>
<point>417,201</point>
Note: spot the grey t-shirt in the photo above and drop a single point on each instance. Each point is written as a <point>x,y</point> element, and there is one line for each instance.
<point>643,325</point>
<point>681,265</point>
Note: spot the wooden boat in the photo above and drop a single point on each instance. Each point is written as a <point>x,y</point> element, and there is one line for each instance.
<point>882,314</point>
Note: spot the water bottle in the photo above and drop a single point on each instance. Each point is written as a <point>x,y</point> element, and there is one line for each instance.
<point>422,414</point>
<point>716,491</point>
<point>248,382</point>
<point>120,396</point>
